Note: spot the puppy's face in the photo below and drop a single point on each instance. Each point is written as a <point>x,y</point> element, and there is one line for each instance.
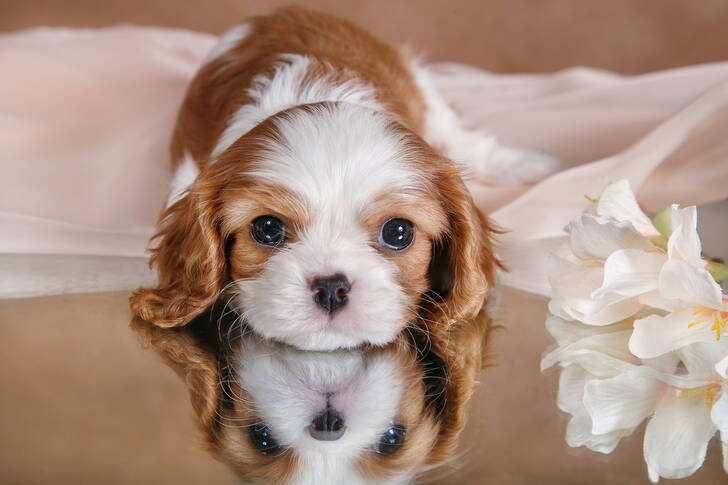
<point>279,415</point>
<point>333,236</point>
<point>332,226</point>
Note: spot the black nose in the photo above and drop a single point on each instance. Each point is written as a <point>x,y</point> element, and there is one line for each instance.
<point>331,292</point>
<point>327,426</point>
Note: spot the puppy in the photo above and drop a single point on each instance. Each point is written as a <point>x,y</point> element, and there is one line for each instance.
<point>278,415</point>
<point>313,190</point>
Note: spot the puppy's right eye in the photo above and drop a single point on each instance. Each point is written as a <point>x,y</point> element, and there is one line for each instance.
<point>262,440</point>
<point>268,230</point>
<point>396,233</point>
<point>391,441</point>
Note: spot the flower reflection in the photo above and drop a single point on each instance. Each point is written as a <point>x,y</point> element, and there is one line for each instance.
<point>280,415</point>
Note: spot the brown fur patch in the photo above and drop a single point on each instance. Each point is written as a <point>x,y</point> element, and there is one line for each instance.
<point>337,47</point>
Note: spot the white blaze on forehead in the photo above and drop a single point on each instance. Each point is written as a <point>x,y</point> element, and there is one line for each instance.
<point>338,156</point>
<point>288,87</point>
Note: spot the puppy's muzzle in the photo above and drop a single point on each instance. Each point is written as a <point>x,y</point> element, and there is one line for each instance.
<point>331,292</point>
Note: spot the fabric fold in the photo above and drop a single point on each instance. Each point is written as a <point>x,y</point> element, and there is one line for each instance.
<point>86,116</point>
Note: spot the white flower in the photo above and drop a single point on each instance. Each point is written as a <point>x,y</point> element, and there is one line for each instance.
<point>609,395</point>
<point>579,270</point>
<point>640,326</point>
<point>687,289</point>
<point>613,268</point>
<point>609,261</point>
<point>618,202</point>
<point>702,318</point>
<point>687,417</point>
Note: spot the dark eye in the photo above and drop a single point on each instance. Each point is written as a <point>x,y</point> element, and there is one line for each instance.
<point>391,441</point>
<point>268,230</point>
<point>396,233</point>
<point>262,440</point>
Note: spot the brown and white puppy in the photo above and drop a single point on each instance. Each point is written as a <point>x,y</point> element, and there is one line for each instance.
<point>279,415</point>
<point>312,189</point>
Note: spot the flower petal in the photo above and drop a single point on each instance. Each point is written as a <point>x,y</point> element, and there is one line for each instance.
<point>578,433</point>
<point>663,364</point>
<point>630,272</point>
<point>701,358</point>
<point>652,475</point>
<point>571,288</point>
<point>618,201</point>
<point>722,367</point>
<point>680,280</point>
<point>571,388</point>
<point>602,356</point>
<point>719,412</point>
<point>567,332</point>
<point>623,401</point>
<point>677,436</point>
<point>607,315</point>
<point>597,237</point>
<point>684,241</point>
<point>656,335</point>
<point>656,300</point>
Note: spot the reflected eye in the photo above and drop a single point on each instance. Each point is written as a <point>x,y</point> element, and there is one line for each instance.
<point>396,233</point>
<point>262,440</point>
<point>268,230</point>
<point>391,441</point>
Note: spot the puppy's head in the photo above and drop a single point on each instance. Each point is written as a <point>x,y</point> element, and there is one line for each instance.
<point>332,226</point>
<point>278,415</point>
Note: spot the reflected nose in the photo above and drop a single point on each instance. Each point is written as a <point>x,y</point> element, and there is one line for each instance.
<point>327,426</point>
<point>331,292</point>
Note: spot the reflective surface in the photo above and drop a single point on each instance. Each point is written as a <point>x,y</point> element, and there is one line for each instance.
<point>82,401</point>
<point>276,414</point>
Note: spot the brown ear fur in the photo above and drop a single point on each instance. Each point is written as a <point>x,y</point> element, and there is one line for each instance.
<point>453,363</point>
<point>186,352</point>
<point>190,260</point>
<point>463,263</point>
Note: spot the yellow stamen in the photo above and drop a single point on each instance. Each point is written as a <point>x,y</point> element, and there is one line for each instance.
<point>719,324</point>
<point>719,319</point>
<point>708,394</point>
<point>591,199</point>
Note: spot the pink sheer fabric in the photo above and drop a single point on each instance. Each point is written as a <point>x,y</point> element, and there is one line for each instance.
<point>85,119</point>
<point>86,115</point>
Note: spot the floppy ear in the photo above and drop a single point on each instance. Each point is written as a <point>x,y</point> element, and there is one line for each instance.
<point>453,362</point>
<point>188,352</point>
<point>190,260</point>
<point>463,264</point>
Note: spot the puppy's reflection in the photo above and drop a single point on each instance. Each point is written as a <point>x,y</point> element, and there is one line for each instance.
<point>278,415</point>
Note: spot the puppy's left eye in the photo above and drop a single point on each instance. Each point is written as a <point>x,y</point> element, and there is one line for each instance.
<point>391,441</point>
<point>268,230</point>
<point>262,440</point>
<point>396,233</point>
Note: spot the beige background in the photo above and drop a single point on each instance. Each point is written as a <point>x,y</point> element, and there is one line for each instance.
<point>629,36</point>
<point>81,402</point>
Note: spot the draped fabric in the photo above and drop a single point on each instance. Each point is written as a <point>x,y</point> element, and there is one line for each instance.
<point>86,117</point>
